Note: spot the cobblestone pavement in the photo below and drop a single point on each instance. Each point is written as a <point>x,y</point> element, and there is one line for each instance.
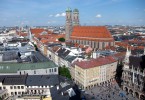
<point>112,92</point>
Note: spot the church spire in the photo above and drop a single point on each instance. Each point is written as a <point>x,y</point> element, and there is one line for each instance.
<point>128,54</point>
<point>75,17</point>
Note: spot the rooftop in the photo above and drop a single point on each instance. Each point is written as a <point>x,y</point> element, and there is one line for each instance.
<point>13,79</point>
<point>137,62</point>
<point>75,10</point>
<point>95,62</point>
<point>42,80</point>
<point>68,10</point>
<point>91,32</point>
<point>14,67</point>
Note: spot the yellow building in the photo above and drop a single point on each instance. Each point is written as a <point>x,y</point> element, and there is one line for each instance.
<point>93,72</point>
<point>47,98</point>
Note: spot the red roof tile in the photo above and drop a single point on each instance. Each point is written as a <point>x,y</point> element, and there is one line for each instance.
<point>91,32</point>
<point>36,30</point>
<point>95,62</point>
<point>22,34</point>
<point>43,40</point>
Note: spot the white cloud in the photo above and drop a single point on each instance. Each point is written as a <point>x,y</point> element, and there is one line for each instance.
<point>50,15</point>
<point>57,15</point>
<point>98,15</point>
<point>63,14</point>
<point>60,15</point>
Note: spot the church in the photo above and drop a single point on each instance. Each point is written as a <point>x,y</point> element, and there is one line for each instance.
<point>133,76</point>
<point>97,37</point>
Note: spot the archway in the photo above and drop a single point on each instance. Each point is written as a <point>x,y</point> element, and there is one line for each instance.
<point>142,97</point>
<point>131,92</point>
<point>137,95</point>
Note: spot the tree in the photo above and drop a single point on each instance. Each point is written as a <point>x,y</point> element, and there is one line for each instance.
<point>63,71</point>
<point>61,39</point>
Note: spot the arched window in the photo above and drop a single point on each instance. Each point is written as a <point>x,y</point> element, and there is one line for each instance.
<point>34,72</point>
<point>55,70</point>
<point>103,44</point>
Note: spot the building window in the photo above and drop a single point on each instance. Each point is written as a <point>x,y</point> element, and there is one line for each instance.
<point>22,87</point>
<point>11,87</point>
<point>19,92</point>
<point>18,87</point>
<point>0,88</point>
<point>34,72</point>
<point>98,44</point>
<point>12,93</point>
<point>14,87</point>
<point>103,45</point>
<point>79,73</point>
<point>4,87</point>
<point>54,69</point>
<point>50,70</point>
<point>46,71</point>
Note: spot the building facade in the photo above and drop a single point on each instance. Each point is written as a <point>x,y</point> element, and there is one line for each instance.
<point>99,71</point>
<point>94,36</point>
<point>35,87</point>
<point>68,26</point>
<point>75,17</point>
<point>133,75</point>
<point>4,94</point>
<point>40,68</point>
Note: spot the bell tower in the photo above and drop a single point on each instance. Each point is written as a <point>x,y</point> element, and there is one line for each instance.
<point>68,26</point>
<point>75,17</point>
<point>126,60</point>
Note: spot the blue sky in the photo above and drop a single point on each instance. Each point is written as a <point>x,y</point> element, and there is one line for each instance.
<point>52,12</point>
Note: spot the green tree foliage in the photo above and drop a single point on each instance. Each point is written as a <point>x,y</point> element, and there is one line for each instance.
<point>63,71</point>
<point>61,39</point>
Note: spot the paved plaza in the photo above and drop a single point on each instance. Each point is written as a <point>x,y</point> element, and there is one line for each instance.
<point>111,92</point>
